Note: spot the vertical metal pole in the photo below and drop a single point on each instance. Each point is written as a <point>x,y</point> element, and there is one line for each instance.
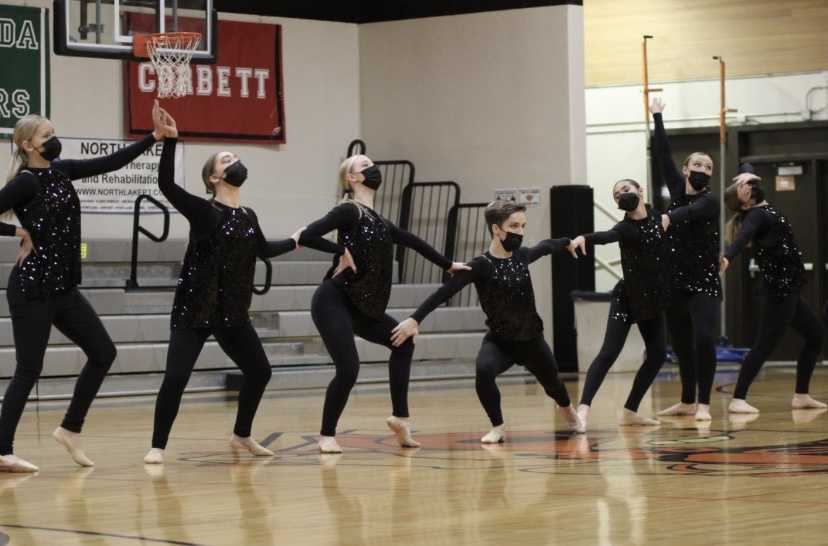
<point>98,25</point>
<point>175,15</point>
<point>723,111</point>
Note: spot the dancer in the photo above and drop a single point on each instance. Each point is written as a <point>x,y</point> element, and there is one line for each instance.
<point>638,298</point>
<point>215,289</point>
<point>783,274</point>
<point>42,289</point>
<point>501,278</point>
<point>354,296</point>
<point>696,289</point>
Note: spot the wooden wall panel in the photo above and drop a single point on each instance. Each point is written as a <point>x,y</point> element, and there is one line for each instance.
<point>754,37</point>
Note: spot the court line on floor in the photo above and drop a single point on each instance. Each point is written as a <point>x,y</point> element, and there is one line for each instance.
<point>98,534</point>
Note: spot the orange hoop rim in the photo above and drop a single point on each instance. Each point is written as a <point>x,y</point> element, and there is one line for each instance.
<point>140,42</point>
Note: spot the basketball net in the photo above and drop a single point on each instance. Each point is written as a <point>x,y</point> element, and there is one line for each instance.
<point>170,54</point>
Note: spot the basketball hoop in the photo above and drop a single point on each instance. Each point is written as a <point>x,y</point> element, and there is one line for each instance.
<point>170,54</point>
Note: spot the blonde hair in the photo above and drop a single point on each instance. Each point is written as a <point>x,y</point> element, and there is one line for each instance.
<point>346,168</point>
<point>25,128</point>
<point>207,171</point>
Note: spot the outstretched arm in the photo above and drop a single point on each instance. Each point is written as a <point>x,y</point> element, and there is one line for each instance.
<point>703,208</point>
<point>409,240</point>
<point>664,155</point>
<point>410,326</point>
<point>546,247</point>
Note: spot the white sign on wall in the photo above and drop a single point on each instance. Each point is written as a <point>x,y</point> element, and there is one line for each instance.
<point>529,197</point>
<point>115,192</point>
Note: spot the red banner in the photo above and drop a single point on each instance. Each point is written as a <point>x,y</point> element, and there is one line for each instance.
<point>239,98</point>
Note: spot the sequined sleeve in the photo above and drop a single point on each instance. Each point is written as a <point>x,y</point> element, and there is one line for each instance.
<point>409,240</point>
<point>83,168</point>
<point>753,221</point>
<point>452,286</point>
<point>342,216</point>
<point>20,189</point>
<point>610,236</point>
<point>545,248</point>
<point>664,158</point>
<point>705,207</point>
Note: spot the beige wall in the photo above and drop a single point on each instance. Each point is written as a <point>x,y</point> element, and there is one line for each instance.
<point>755,37</point>
<point>490,100</point>
<point>290,184</point>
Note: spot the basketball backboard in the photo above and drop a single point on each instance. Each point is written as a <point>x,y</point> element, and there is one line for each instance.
<point>105,28</point>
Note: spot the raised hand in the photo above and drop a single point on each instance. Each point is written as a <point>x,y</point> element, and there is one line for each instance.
<point>656,106</point>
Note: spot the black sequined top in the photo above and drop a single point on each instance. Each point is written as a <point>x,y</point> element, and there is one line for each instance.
<point>370,239</point>
<point>504,286</point>
<point>215,288</point>
<point>48,207</point>
<point>693,236</point>
<point>777,254</point>
<point>643,246</point>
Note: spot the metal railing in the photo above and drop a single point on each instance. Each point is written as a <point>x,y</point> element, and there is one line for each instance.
<point>424,211</point>
<point>132,282</point>
<point>607,266</point>
<point>467,238</point>
<point>268,278</point>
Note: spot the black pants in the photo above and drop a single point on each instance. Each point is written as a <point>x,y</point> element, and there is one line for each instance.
<point>652,331</point>
<point>241,344</point>
<point>693,320</point>
<point>337,321</point>
<point>496,356</point>
<point>776,315</point>
<point>32,322</point>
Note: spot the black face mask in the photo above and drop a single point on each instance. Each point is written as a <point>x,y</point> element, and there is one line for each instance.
<point>757,193</point>
<point>512,241</point>
<point>51,149</point>
<point>699,180</point>
<point>628,201</point>
<point>373,177</point>
<point>236,174</point>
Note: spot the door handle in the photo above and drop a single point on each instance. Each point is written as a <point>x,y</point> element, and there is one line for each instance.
<point>753,268</point>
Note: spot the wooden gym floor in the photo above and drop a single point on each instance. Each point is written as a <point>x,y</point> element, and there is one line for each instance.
<point>732,482</point>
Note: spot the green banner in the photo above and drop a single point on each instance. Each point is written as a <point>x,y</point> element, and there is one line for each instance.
<point>24,56</point>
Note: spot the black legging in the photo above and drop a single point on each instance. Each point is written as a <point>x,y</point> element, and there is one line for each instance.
<point>241,344</point>
<point>337,321</point>
<point>496,356</point>
<point>777,313</point>
<point>693,320</point>
<point>652,331</point>
<point>32,322</point>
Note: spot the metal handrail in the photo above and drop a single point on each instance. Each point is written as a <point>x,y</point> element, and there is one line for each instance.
<point>268,278</point>
<point>132,283</point>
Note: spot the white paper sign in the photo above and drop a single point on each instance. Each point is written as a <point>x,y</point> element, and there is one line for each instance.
<point>115,192</point>
<point>530,197</point>
<point>506,195</point>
